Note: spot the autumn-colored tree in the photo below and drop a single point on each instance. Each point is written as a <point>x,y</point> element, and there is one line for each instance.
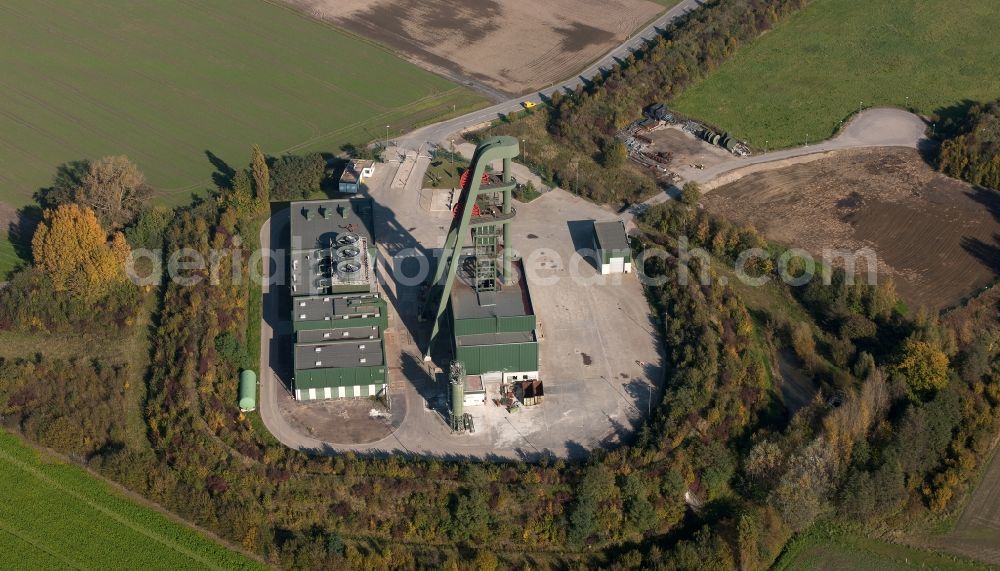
<point>924,367</point>
<point>73,250</point>
<point>261,174</point>
<point>115,189</point>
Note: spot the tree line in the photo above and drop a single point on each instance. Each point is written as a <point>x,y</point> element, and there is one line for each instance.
<point>720,477</point>
<point>970,149</point>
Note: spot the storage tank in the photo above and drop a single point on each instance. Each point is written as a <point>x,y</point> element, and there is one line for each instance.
<point>457,401</point>
<point>248,390</point>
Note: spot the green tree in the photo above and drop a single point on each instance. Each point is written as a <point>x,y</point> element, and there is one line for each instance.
<point>147,231</point>
<point>595,487</point>
<point>639,512</point>
<point>614,154</point>
<point>691,194</point>
<point>297,176</point>
<point>261,174</point>
<point>470,516</point>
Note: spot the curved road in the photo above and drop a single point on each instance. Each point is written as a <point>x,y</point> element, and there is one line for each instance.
<point>877,127</point>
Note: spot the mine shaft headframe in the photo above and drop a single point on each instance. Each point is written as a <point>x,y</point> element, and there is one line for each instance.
<point>493,149</point>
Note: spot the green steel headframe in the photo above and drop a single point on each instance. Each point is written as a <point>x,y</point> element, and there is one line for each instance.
<point>482,228</point>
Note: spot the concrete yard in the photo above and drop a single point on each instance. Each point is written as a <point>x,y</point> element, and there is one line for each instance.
<point>600,356</point>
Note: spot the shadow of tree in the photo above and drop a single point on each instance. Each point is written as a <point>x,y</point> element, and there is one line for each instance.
<point>988,254</point>
<point>69,176</point>
<point>21,230</point>
<point>223,175</point>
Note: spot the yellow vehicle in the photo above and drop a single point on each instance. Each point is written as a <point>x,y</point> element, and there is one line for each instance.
<point>529,104</point>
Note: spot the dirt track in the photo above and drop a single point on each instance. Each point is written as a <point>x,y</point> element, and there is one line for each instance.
<point>936,236</point>
<point>510,47</point>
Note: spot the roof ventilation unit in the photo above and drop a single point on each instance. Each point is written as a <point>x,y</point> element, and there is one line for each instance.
<point>348,253</point>
<point>349,270</point>
<point>348,239</point>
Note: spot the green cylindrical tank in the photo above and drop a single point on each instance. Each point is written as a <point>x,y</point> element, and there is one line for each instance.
<point>457,398</point>
<point>248,390</point>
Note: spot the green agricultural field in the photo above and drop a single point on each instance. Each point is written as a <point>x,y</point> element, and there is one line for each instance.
<point>167,82</point>
<point>819,550</point>
<point>8,256</point>
<point>56,516</point>
<point>801,79</point>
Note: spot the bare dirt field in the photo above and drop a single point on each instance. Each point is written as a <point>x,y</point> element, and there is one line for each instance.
<point>512,46</point>
<point>340,420</point>
<point>687,149</point>
<point>938,237</point>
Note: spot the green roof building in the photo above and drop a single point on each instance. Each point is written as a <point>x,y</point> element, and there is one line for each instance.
<point>494,331</point>
<point>337,315</point>
<point>614,254</point>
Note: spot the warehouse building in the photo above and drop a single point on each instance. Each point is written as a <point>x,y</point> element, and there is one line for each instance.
<point>337,316</point>
<point>614,255</point>
<point>494,332</point>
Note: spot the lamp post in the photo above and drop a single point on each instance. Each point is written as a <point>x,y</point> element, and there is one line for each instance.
<point>524,146</point>
<point>387,137</point>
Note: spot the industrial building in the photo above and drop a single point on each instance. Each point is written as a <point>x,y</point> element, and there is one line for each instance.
<point>493,333</point>
<point>478,291</point>
<point>338,317</point>
<point>613,253</point>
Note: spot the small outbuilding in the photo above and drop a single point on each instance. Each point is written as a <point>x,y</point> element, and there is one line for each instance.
<point>475,390</point>
<point>354,175</point>
<point>248,391</point>
<point>614,255</point>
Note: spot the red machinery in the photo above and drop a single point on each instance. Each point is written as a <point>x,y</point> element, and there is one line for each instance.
<point>464,183</point>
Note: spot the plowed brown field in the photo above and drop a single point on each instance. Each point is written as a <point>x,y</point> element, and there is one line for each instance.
<point>938,237</point>
<point>512,46</point>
